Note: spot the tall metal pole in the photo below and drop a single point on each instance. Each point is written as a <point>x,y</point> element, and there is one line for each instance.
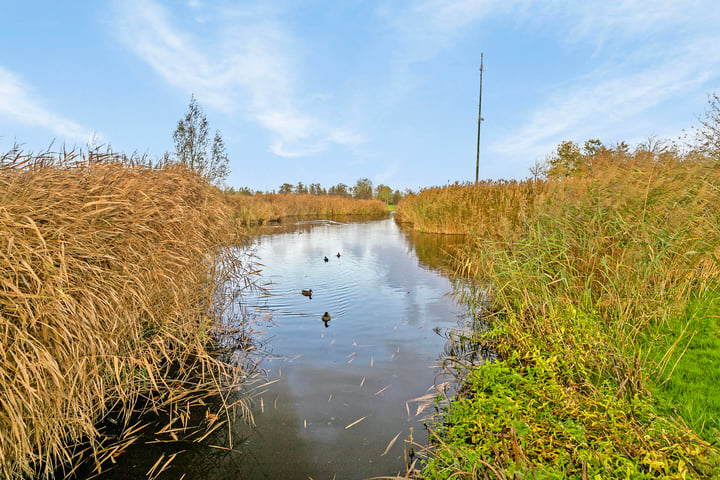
<point>480,119</point>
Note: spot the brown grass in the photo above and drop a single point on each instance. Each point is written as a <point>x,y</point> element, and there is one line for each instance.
<point>587,283</point>
<point>262,208</point>
<point>109,272</point>
<point>631,241</point>
<point>490,208</point>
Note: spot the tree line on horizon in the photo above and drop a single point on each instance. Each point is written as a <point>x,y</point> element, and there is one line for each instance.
<point>194,149</point>
<point>362,190</point>
<point>570,158</point>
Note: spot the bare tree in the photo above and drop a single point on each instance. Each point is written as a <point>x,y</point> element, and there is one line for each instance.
<point>538,169</point>
<point>709,133</point>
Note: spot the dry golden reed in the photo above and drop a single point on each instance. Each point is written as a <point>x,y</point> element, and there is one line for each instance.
<point>489,208</point>
<point>631,240</point>
<point>109,271</point>
<point>635,234</point>
<point>586,282</point>
<point>262,208</point>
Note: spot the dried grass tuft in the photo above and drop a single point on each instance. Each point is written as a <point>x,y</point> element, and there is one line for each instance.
<point>263,208</point>
<point>109,272</point>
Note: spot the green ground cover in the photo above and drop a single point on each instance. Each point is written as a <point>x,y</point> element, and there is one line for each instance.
<point>602,305</point>
<point>689,387</point>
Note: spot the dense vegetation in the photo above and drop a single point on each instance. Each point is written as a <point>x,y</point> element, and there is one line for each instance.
<point>110,277</point>
<point>362,190</point>
<point>599,286</point>
<point>490,208</point>
<point>261,208</point>
<point>115,277</point>
<point>596,282</point>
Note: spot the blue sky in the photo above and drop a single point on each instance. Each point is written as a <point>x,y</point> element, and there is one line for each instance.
<point>332,91</point>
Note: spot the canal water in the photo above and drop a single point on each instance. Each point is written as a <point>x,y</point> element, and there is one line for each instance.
<point>342,389</point>
<point>373,360</point>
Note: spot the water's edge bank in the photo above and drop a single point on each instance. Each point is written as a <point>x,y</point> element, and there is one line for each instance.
<point>601,298</point>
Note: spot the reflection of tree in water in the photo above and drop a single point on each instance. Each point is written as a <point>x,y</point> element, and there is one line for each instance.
<point>433,250</point>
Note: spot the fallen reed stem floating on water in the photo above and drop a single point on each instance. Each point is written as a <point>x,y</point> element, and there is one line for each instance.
<point>598,295</point>
<point>111,271</point>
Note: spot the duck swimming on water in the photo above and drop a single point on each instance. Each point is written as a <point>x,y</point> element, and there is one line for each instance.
<point>307,293</point>
<point>326,317</point>
<point>338,255</point>
<point>326,259</point>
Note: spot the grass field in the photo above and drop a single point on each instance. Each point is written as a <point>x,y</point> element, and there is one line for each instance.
<point>603,309</point>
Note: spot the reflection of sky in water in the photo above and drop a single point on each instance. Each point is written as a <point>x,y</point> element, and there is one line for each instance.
<point>378,352</point>
<point>371,290</point>
<point>384,306</point>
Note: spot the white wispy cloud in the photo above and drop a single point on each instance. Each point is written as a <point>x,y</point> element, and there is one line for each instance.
<point>647,52</point>
<point>428,27</point>
<point>595,109</point>
<point>247,65</point>
<point>600,22</point>
<point>19,105</point>
<point>659,52</point>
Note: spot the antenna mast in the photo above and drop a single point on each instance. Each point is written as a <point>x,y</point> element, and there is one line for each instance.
<point>480,119</point>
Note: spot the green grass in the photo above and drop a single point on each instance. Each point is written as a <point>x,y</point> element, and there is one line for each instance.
<point>529,416</point>
<point>689,385</point>
<point>599,305</point>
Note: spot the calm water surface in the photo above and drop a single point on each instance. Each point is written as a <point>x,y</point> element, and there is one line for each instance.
<point>376,355</point>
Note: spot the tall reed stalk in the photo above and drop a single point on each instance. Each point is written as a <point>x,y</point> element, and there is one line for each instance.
<point>488,209</point>
<point>109,273</point>
<point>589,279</point>
<point>262,208</point>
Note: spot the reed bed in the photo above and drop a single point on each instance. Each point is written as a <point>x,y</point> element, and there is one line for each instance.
<point>592,303</point>
<point>489,208</point>
<point>111,272</point>
<point>263,208</point>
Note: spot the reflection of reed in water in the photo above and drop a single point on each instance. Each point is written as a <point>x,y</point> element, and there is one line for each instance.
<point>171,429</point>
<point>462,351</point>
<point>434,251</point>
<point>300,225</point>
<point>463,348</point>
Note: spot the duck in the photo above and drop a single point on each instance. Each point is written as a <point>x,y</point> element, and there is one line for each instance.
<point>326,259</point>
<point>326,317</point>
<point>307,293</point>
<point>338,255</point>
